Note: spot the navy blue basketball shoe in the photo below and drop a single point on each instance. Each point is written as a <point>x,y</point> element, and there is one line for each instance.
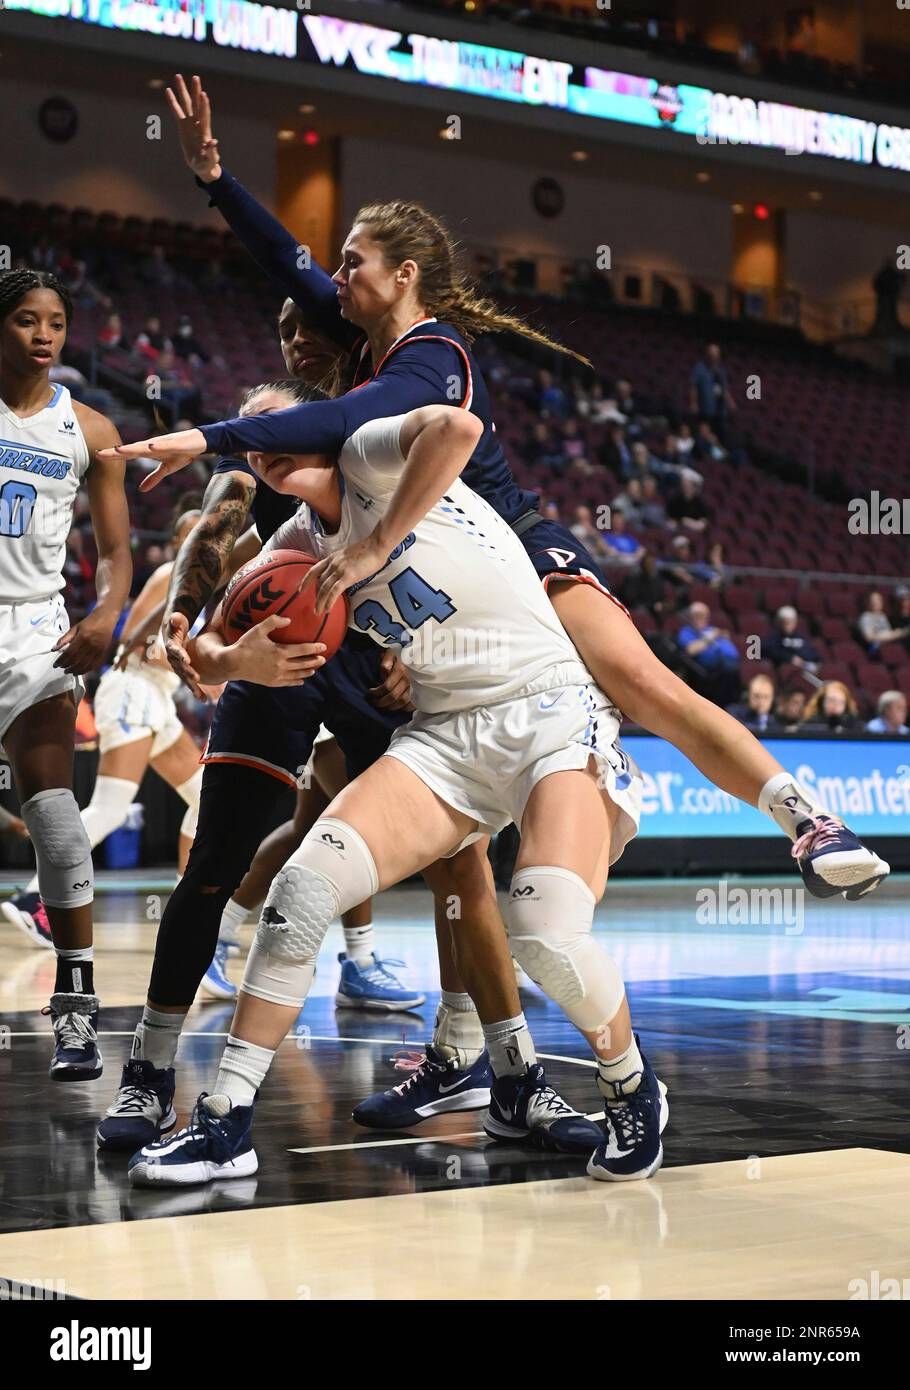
<point>630,1146</point>
<point>526,1108</point>
<point>833,860</point>
<point>434,1087</point>
<point>216,1144</point>
<point>77,1056</point>
<point>141,1111</point>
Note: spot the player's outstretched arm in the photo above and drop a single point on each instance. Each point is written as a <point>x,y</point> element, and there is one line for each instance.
<point>275,250</point>
<point>83,647</point>
<point>433,447</point>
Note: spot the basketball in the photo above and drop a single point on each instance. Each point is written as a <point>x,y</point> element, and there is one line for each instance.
<point>271,585</point>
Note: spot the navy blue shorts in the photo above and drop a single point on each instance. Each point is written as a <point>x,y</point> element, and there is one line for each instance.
<point>273,729</point>
<point>556,554</point>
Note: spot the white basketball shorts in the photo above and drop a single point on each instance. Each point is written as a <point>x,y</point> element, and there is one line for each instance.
<point>28,632</point>
<point>130,705</point>
<point>486,761</point>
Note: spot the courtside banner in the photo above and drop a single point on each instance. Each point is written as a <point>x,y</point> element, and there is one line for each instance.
<point>866,781</point>
<point>455,65</point>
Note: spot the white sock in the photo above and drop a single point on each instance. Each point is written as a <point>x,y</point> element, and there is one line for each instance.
<point>157,1036</point>
<point>788,803</point>
<point>621,1076</point>
<point>511,1046</point>
<point>232,919</point>
<point>244,1067</point>
<point>359,944</point>
<point>457,1030</point>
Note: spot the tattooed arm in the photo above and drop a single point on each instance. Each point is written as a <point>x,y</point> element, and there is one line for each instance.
<point>200,563</point>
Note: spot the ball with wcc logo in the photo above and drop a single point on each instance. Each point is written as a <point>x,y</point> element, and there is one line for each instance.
<point>272,585</point>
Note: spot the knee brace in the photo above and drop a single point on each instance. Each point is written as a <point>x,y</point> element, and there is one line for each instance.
<point>549,917</point>
<point>190,791</point>
<point>111,799</point>
<point>332,871</point>
<point>62,848</point>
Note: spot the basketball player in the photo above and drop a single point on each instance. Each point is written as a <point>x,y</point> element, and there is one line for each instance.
<point>260,733</point>
<point>398,283</point>
<point>50,445</point>
<point>137,728</point>
<point>432,569</point>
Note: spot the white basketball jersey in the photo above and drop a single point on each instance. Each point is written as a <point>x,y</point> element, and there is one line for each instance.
<point>458,598</point>
<point>43,460</point>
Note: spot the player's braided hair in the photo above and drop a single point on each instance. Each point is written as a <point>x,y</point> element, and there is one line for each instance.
<point>408,232</point>
<point>16,284</point>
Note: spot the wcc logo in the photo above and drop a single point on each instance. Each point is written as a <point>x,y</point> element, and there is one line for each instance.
<point>256,603</point>
<point>69,425</point>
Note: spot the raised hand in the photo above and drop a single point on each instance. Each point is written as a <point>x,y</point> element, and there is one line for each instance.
<point>192,111</point>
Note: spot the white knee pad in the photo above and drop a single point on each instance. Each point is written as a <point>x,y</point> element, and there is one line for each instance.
<point>62,848</point>
<point>331,871</point>
<point>111,799</point>
<point>549,917</point>
<point>190,791</point>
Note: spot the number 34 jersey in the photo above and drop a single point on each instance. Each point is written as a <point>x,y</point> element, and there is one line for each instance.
<point>458,598</point>
<point>43,460</point>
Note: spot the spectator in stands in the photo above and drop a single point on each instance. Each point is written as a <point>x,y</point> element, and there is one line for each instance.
<point>621,550</point>
<point>575,450</point>
<point>616,453</point>
<point>678,569</point>
<point>892,715</point>
<point>111,337</point>
<point>644,588</point>
<point>713,571</point>
<point>685,442</point>
<point>174,382</point>
<point>584,530</point>
<point>902,610</point>
<point>542,449</point>
<point>186,344</point>
<point>791,709</point>
<point>44,255</point>
<point>757,712</point>
<point>80,390</point>
<point>707,445</point>
<point>787,645</point>
<point>713,652</point>
<point>550,511</point>
<point>594,405</point>
<point>875,627</point>
<point>629,502</point>
<point>653,506</point>
<point>151,341</point>
<point>832,709</point>
<point>709,391</point>
<point>687,506</point>
<point>82,290</point>
<point>157,271</point>
<point>626,401</point>
<point>552,401</point>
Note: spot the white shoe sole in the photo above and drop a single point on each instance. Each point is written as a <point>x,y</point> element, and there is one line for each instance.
<point>601,1175</point>
<point>154,1175</point>
<point>344,1001</point>
<point>23,920</point>
<point>852,868</point>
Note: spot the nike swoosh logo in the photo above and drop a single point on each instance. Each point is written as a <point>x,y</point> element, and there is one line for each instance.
<point>453,1087</point>
<point>551,703</point>
<point>506,1113</point>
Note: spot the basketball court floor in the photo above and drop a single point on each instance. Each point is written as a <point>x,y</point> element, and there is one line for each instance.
<point>786,1053</point>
